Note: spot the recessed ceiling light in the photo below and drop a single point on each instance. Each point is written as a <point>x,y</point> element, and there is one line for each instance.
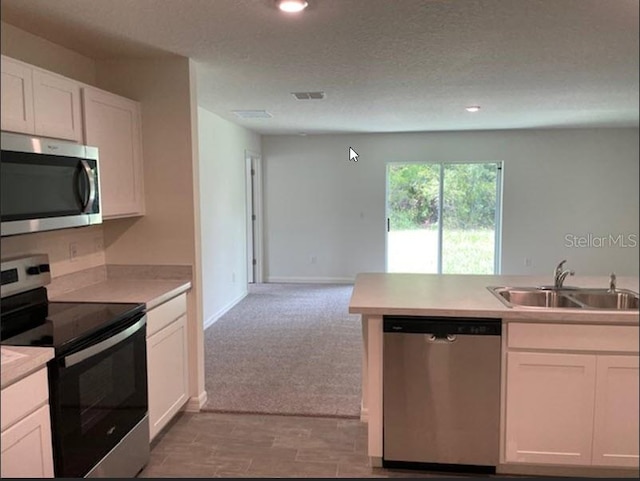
<point>292,6</point>
<point>472,108</point>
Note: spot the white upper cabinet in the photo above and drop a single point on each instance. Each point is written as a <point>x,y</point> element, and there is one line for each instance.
<point>112,123</point>
<point>17,97</point>
<point>39,103</point>
<point>56,102</point>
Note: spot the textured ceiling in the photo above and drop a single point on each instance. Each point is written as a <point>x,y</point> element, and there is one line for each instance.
<point>385,65</point>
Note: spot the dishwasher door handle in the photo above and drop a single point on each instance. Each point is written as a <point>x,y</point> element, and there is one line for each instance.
<point>449,338</point>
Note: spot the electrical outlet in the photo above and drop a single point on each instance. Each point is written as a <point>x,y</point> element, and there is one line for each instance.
<point>314,259</point>
<point>527,261</point>
<point>73,251</point>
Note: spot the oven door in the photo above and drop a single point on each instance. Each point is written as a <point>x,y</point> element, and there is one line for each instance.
<point>98,395</point>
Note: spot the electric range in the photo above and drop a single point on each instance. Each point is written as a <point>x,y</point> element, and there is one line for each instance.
<point>98,390</point>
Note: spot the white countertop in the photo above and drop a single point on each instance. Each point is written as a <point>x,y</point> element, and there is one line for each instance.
<point>151,292</point>
<point>467,295</point>
<point>28,359</point>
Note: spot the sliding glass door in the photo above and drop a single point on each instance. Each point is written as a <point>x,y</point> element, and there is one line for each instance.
<point>444,218</point>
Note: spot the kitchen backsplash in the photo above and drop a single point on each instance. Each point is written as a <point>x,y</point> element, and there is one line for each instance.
<point>157,272</point>
<point>69,250</point>
<point>93,275</point>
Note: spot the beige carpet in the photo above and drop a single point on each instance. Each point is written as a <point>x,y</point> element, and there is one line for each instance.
<point>286,349</point>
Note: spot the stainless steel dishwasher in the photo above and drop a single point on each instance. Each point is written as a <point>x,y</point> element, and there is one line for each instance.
<point>441,393</point>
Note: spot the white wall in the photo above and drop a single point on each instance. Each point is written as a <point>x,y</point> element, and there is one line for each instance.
<point>556,183</point>
<point>166,234</point>
<point>166,231</point>
<point>21,45</point>
<point>222,146</point>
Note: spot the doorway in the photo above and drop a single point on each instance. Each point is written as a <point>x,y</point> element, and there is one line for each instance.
<point>253,173</point>
<point>444,218</point>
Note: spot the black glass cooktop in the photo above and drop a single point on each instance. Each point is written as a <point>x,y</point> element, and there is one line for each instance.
<point>63,325</point>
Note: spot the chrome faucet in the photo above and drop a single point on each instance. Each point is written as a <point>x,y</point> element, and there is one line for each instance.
<point>612,282</point>
<point>559,275</point>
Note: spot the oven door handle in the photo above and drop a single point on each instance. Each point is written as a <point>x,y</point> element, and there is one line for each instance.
<point>90,351</point>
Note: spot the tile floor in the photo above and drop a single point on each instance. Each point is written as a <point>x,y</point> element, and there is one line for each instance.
<point>259,446</point>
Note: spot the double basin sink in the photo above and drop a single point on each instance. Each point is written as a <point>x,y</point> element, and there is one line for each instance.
<point>570,297</point>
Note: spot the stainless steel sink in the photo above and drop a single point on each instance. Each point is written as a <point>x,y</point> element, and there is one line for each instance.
<point>576,298</point>
<point>534,297</point>
<point>603,299</point>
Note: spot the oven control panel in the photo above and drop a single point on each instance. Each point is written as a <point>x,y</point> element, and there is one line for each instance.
<point>24,273</point>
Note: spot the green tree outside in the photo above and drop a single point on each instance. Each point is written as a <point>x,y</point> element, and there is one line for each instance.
<point>469,196</point>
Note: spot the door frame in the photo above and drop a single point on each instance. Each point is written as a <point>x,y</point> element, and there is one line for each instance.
<point>253,191</point>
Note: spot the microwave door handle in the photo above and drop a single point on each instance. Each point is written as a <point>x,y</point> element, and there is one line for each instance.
<point>80,356</point>
<point>92,186</point>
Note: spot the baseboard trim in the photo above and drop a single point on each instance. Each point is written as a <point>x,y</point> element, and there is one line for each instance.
<point>196,403</point>
<point>569,471</point>
<point>312,280</point>
<point>224,310</point>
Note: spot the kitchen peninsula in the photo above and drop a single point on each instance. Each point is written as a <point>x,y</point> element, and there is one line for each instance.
<point>596,350</point>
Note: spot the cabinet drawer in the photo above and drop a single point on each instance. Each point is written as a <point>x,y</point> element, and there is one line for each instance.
<point>572,337</point>
<point>165,314</point>
<point>24,397</point>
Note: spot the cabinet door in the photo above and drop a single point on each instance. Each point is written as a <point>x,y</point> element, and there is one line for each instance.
<point>549,408</point>
<point>56,103</point>
<point>167,373</point>
<point>17,97</point>
<point>112,123</point>
<point>26,447</point>
<point>615,437</point>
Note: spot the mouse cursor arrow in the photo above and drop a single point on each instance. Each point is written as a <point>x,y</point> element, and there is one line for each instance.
<point>353,155</point>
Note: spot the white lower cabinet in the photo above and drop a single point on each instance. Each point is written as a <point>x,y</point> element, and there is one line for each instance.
<point>550,408</point>
<point>615,434</point>
<point>167,357</point>
<point>26,429</point>
<point>26,447</point>
<point>571,408</point>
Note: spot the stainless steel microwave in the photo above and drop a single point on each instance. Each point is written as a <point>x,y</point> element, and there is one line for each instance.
<point>47,184</point>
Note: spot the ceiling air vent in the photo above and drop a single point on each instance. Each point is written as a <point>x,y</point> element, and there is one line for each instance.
<point>308,95</point>
<point>252,114</point>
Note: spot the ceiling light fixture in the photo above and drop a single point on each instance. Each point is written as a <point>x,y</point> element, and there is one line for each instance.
<point>472,108</point>
<point>292,6</point>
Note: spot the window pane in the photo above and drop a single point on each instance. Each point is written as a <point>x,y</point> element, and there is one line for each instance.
<point>469,213</point>
<point>412,238</point>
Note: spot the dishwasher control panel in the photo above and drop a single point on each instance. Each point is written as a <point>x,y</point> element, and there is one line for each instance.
<point>443,325</point>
